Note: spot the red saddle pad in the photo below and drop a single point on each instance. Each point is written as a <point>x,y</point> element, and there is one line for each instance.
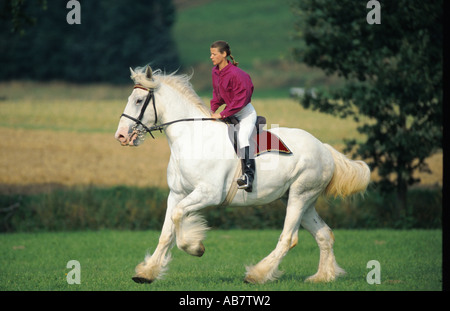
<point>269,142</point>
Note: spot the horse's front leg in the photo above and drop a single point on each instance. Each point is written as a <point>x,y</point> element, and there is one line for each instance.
<point>155,265</point>
<point>190,228</point>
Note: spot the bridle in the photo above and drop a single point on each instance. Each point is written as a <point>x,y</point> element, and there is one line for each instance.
<point>138,121</point>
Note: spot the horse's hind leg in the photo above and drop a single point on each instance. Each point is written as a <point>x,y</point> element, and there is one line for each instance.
<point>328,268</point>
<point>267,268</point>
<point>295,234</point>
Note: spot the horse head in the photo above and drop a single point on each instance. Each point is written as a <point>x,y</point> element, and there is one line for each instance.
<point>135,121</point>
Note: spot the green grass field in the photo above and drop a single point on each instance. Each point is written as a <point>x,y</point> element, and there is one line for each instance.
<point>409,260</point>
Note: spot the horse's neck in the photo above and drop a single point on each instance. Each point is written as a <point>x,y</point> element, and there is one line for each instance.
<point>177,107</point>
<point>195,140</point>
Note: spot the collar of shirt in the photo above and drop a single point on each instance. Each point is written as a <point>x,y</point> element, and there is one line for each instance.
<point>224,70</point>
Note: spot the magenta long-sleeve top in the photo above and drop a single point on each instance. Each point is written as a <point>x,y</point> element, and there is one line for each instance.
<point>231,86</point>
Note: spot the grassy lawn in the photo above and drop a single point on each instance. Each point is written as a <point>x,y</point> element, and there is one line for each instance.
<point>410,260</point>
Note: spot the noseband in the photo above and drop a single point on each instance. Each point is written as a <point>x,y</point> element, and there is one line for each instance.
<point>155,127</point>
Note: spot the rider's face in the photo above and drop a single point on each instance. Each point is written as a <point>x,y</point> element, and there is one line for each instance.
<point>218,58</point>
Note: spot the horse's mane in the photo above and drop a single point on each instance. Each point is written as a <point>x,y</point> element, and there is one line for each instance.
<point>179,82</point>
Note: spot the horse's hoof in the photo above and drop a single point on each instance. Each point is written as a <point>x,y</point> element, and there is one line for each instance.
<point>200,250</point>
<point>249,281</point>
<point>141,280</point>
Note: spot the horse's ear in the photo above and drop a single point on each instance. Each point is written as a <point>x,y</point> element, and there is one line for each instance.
<point>132,72</point>
<point>148,72</point>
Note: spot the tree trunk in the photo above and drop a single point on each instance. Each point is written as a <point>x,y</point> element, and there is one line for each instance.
<point>401,204</point>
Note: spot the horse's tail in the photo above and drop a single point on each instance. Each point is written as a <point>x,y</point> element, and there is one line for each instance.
<point>349,176</point>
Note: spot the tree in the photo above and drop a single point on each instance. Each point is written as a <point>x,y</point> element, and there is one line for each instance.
<point>14,11</point>
<point>393,76</point>
<point>112,36</point>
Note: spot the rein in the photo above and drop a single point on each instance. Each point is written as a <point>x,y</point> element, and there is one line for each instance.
<point>155,127</point>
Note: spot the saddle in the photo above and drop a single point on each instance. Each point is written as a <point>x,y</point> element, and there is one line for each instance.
<point>261,141</point>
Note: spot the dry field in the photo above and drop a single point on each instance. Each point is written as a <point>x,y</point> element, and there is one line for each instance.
<point>58,135</point>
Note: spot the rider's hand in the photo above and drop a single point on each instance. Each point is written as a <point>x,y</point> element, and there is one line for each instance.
<point>216,116</point>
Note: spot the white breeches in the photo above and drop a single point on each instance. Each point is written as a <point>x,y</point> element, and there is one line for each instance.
<point>247,119</point>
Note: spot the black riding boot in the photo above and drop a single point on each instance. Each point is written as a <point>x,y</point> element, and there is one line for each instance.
<point>248,170</point>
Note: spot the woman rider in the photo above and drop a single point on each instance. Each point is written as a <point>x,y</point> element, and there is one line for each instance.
<point>233,87</point>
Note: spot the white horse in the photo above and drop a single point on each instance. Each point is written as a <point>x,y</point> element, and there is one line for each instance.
<point>202,169</point>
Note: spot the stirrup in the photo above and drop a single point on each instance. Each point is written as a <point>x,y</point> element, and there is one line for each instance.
<point>243,182</point>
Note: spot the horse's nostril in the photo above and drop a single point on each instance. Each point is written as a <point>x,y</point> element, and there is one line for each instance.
<point>121,137</point>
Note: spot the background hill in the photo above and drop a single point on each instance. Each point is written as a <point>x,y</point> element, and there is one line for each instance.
<point>169,35</point>
<point>261,38</point>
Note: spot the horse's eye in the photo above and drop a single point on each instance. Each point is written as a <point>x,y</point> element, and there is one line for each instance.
<point>138,101</point>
